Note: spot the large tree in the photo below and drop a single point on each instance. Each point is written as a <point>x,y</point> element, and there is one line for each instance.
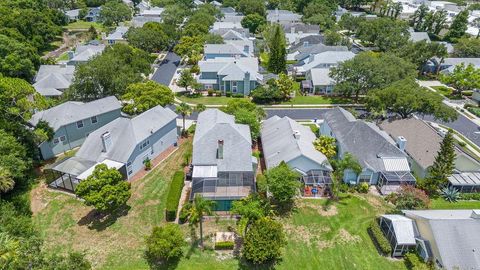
<point>283,183</point>
<point>110,73</point>
<point>114,12</point>
<point>184,110</point>
<point>384,33</point>
<point>467,47</point>
<point>186,79</point>
<point>150,37</point>
<point>253,22</point>
<point>463,78</point>
<point>368,71</point>
<point>251,6</point>
<point>246,112</point>
<point>277,51</point>
<point>250,209</point>
<point>420,52</point>
<point>459,26</point>
<point>405,98</point>
<point>144,96</point>
<point>14,162</point>
<point>104,189</point>
<point>17,59</point>
<point>442,167</point>
<point>264,241</point>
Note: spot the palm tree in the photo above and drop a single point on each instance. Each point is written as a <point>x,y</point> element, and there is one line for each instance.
<point>184,109</point>
<point>200,208</point>
<point>9,249</point>
<point>200,108</point>
<point>6,181</point>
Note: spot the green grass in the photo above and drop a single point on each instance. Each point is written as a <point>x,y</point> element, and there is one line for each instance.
<point>206,100</point>
<point>440,203</point>
<point>305,100</point>
<point>447,92</point>
<point>63,57</point>
<point>84,26</point>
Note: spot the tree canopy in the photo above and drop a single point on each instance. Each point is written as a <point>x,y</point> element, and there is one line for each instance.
<point>144,96</point>
<point>150,37</point>
<point>283,183</point>
<point>104,189</point>
<point>463,78</point>
<point>164,244</point>
<point>264,241</point>
<point>384,33</point>
<point>277,51</point>
<point>405,98</point>
<point>253,22</point>
<point>113,12</point>
<point>459,26</point>
<point>467,47</point>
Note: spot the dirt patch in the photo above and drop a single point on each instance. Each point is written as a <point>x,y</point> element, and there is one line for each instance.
<point>344,237</point>
<point>375,201</point>
<point>38,201</point>
<point>327,210</point>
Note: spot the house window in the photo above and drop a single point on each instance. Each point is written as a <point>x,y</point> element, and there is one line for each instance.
<point>63,138</point>
<point>364,178</point>
<point>144,144</point>
<point>129,168</point>
<point>234,86</point>
<point>94,119</point>
<point>55,140</point>
<point>80,124</point>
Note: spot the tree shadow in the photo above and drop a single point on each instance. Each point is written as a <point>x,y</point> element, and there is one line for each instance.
<point>245,265</point>
<point>168,265</point>
<point>194,244</point>
<point>99,221</point>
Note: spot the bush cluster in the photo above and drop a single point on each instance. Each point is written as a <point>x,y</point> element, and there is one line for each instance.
<point>225,245</point>
<point>414,262</point>
<point>379,239</point>
<point>174,195</point>
<point>470,196</point>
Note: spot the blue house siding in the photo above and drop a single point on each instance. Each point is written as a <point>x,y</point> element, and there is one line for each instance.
<point>70,136</point>
<point>157,143</point>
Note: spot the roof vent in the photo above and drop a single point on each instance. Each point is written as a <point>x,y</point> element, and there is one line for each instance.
<point>220,149</point>
<point>296,134</point>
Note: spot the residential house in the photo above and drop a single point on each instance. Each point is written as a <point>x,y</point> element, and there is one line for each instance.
<point>303,54</point>
<point>124,144</point>
<point>382,162</point>
<point>117,36</point>
<point>139,21</point>
<point>72,15</point>
<point>283,16</point>
<point>448,64</point>
<point>234,18</point>
<point>300,27</point>
<point>84,53</point>
<point>228,11</point>
<point>418,36</point>
<point>231,33</point>
<point>285,140</point>
<point>448,238</point>
<point>235,75</point>
<point>226,25</point>
<point>422,142</point>
<point>73,121</point>
<point>318,82</point>
<point>93,14</point>
<point>53,80</point>
<point>326,59</point>
<point>230,49</point>
<point>303,43</point>
<point>223,166</point>
<point>293,37</point>
<point>152,12</point>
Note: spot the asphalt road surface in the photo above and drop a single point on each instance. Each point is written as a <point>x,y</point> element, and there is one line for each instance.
<point>166,70</point>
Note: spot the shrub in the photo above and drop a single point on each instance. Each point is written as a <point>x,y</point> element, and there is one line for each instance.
<point>226,245</point>
<point>174,195</point>
<point>183,216</point>
<point>148,164</point>
<point>450,194</point>
<point>414,262</point>
<point>363,187</point>
<point>379,239</point>
<point>409,197</point>
<point>228,94</point>
<point>474,110</point>
<point>462,144</point>
<point>238,95</point>
<point>164,244</point>
<point>264,241</point>
<point>218,93</point>
<point>210,92</point>
<point>470,196</point>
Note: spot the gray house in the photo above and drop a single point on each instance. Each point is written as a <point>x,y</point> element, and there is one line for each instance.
<point>283,16</point>
<point>326,59</point>
<point>123,144</point>
<point>382,162</point>
<point>53,80</point>
<point>283,139</point>
<point>73,121</point>
<point>235,75</point>
<point>83,53</point>
<point>318,81</point>
<point>234,48</point>
<point>117,36</point>
<point>223,165</point>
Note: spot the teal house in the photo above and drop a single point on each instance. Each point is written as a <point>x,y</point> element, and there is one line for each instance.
<point>228,74</point>
<point>223,165</point>
<point>73,121</point>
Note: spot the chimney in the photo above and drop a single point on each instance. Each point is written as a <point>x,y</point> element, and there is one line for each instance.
<point>401,143</point>
<point>475,214</point>
<point>296,134</point>
<point>220,149</point>
<point>106,141</point>
<point>71,54</point>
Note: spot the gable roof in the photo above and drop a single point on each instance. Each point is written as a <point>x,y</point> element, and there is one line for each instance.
<point>125,134</point>
<point>305,42</point>
<point>232,68</point>
<point>118,34</point>
<point>153,12</point>
<point>235,18</point>
<point>225,49</point>
<point>226,25</point>
<point>327,58</point>
<point>455,233</point>
<point>300,27</point>
<point>51,80</point>
<point>419,36</point>
<point>370,145</point>
<point>139,21</point>
<point>214,125</point>
<point>84,53</point>
<point>279,15</point>
<point>321,76</point>
<point>280,144</point>
<point>223,31</point>
<point>73,111</point>
<point>305,52</point>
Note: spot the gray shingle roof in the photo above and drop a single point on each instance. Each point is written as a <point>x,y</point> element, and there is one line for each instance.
<point>306,42</point>
<point>419,36</point>
<point>321,76</point>
<point>318,48</point>
<point>84,53</point>
<point>362,139</point>
<point>279,143</point>
<point>225,49</point>
<point>139,21</point>
<point>455,233</point>
<point>231,68</point>
<point>214,125</point>
<point>118,34</point>
<point>52,80</point>
<point>73,111</point>
<point>327,58</point>
<point>279,15</point>
<point>300,27</point>
<point>125,133</point>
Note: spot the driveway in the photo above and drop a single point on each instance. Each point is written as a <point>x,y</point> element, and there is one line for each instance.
<point>166,69</point>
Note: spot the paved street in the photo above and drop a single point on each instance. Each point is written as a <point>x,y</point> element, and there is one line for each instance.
<point>167,68</point>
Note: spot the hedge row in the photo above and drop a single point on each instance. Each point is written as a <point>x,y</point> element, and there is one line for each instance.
<point>224,245</point>
<point>379,239</point>
<point>174,196</point>
<point>470,196</point>
<point>414,262</point>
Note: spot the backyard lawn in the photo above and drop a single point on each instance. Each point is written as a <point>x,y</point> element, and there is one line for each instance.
<point>205,100</point>
<point>440,203</point>
<point>84,26</point>
<point>315,100</point>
